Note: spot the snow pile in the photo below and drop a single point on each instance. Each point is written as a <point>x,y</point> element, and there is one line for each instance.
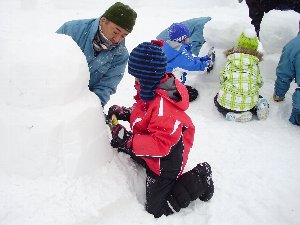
<point>56,164</point>
<point>53,124</point>
<point>274,37</point>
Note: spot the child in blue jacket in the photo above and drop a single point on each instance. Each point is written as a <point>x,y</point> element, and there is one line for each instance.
<point>195,27</point>
<point>179,55</point>
<point>288,69</point>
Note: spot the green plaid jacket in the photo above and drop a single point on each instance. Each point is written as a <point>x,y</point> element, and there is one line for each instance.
<point>240,82</point>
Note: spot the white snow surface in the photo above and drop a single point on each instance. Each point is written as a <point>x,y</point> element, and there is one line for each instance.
<point>56,164</point>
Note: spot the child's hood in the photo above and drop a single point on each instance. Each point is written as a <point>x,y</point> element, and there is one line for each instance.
<point>170,89</point>
<point>257,54</point>
<point>174,91</point>
<point>170,51</point>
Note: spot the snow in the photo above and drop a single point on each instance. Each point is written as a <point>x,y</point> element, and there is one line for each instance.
<point>250,33</point>
<point>56,164</point>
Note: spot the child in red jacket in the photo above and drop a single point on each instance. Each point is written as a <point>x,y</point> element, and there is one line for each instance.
<point>162,134</point>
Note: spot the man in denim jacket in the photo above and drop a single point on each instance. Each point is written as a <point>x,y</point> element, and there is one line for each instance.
<point>102,40</point>
<point>288,69</point>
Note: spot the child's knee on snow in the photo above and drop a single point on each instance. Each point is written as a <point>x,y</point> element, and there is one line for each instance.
<point>190,184</point>
<point>181,196</point>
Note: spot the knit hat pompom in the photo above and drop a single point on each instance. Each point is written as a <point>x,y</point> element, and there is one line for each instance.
<point>148,63</point>
<point>159,43</point>
<point>178,32</point>
<point>122,15</point>
<point>248,40</point>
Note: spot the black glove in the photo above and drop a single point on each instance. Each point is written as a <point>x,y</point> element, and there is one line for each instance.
<point>121,139</point>
<point>193,93</point>
<point>205,58</point>
<point>210,66</point>
<point>122,113</point>
<point>210,63</point>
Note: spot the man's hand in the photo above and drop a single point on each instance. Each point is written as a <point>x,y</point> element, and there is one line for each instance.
<point>276,98</point>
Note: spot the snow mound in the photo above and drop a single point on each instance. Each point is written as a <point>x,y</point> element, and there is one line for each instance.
<point>55,124</point>
<point>224,34</point>
<point>35,82</point>
<point>275,37</point>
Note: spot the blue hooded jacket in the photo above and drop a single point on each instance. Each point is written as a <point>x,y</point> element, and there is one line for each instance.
<point>288,69</point>
<point>182,58</point>
<point>107,68</point>
<point>196,26</point>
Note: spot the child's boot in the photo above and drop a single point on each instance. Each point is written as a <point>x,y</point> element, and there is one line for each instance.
<point>204,171</point>
<point>262,109</point>
<point>239,117</point>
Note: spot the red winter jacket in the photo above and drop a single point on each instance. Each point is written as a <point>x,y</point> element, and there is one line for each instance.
<point>163,132</point>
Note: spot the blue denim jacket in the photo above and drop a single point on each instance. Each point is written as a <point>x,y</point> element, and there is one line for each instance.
<point>288,69</point>
<point>107,68</point>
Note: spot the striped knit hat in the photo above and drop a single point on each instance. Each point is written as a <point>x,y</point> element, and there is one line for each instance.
<point>148,63</point>
<point>178,32</point>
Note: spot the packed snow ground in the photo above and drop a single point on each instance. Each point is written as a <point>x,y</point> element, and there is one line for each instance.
<point>56,164</point>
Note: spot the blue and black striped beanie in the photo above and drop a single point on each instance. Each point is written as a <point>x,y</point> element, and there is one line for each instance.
<point>148,63</point>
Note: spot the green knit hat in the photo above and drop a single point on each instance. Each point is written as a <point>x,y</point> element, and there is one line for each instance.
<point>122,15</point>
<point>248,40</point>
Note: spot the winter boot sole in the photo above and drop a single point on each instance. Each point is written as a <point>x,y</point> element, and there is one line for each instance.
<point>262,109</point>
<point>239,117</point>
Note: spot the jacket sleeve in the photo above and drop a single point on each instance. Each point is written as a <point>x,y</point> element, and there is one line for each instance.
<point>196,27</point>
<point>285,71</point>
<point>188,62</point>
<point>260,81</point>
<point>108,82</point>
<point>164,132</point>
<point>223,73</point>
<point>73,28</point>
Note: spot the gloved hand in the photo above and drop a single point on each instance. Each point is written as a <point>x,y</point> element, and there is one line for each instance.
<point>122,113</point>
<point>210,63</point>
<point>210,66</point>
<point>121,139</point>
<point>205,58</point>
<point>276,98</point>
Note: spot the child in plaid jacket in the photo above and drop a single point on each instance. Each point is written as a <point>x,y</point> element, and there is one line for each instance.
<point>238,98</point>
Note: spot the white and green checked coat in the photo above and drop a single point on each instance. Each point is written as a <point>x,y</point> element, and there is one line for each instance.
<point>240,82</point>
